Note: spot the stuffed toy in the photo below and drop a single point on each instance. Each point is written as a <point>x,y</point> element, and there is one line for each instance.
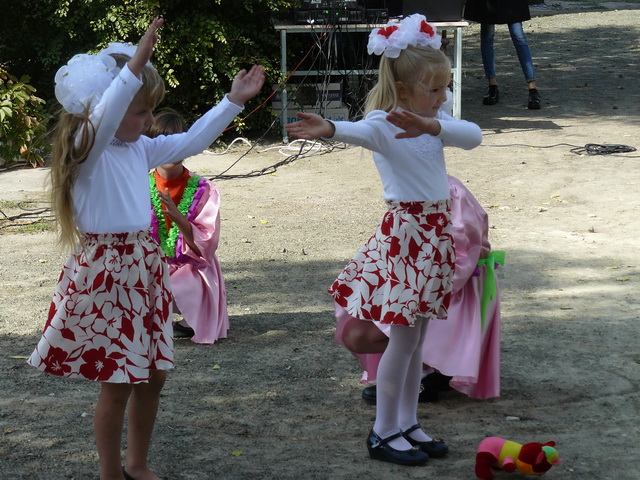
<point>530,458</point>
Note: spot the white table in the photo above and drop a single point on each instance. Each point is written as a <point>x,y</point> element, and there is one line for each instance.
<point>286,29</point>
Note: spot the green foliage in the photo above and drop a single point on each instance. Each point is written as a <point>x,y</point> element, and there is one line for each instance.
<point>23,121</point>
<point>203,44</point>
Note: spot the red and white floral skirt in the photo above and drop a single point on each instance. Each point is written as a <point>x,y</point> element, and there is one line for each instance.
<point>110,318</point>
<point>404,270</point>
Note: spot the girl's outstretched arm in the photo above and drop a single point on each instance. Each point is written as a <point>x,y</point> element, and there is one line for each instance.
<point>454,133</point>
<point>246,85</point>
<point>412,124</point>
<point>145,47</point>
<point>311,126</point>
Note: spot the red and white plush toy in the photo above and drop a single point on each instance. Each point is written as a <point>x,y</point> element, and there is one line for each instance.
<point>530,458</point>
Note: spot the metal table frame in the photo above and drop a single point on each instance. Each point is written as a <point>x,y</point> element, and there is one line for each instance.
<point>286,29</point>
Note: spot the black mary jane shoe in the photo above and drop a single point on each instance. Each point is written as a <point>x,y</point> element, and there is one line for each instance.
<point>180,331</point>
<point>369,394</point>
<point>433,448</point>
<point>380,450</point>
<point>432,385</point>
<point>430,388</point>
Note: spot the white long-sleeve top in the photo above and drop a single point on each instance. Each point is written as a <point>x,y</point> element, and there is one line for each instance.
<point>411,169</point>
<point>111,192</point>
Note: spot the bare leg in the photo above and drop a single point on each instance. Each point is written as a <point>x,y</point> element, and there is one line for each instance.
<point>362,336</point>
<point>142,416</point>
<point>107,424</point>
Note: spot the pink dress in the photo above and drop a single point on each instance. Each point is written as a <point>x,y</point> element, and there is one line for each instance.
<point>458,347</point>
<point>196,280</point>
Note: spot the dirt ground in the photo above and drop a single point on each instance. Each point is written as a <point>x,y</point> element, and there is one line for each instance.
<point>279,399</point>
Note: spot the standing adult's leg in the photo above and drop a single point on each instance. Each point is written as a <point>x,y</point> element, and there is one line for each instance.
<point>487,35</point>
<point>519,39</point>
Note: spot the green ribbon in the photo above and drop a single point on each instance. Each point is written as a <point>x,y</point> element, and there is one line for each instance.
<point>490,289</point>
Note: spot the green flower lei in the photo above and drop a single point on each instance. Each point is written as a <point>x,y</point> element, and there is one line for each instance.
<point>168,239</point>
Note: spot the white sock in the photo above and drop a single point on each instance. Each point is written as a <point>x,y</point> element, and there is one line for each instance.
<point>408,413</point>
<point>391,382</point>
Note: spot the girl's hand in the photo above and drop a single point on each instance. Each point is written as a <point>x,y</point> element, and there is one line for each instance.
<point>145,47</point>
<point>179,219</point>
<point>412,124</point>
<point>170,207</point>
<point>246,85</point>
<point>311,126</point>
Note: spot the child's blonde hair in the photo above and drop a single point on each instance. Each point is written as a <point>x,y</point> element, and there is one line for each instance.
<point>414,65</point>
<point>73,139</point>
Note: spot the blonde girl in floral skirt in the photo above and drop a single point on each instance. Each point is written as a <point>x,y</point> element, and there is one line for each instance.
<point>403,275</point>
<point>110,319</point>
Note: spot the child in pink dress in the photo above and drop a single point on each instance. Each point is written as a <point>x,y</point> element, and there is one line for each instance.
<point>465,347</point>
<point>185,220</point>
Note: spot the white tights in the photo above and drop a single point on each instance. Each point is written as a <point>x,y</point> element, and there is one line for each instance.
<point>398,384</point>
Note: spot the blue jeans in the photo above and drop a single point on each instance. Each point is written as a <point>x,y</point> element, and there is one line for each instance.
<point>519,39</point>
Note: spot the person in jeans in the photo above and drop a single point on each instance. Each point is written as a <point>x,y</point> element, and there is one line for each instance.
<point>490,13</point>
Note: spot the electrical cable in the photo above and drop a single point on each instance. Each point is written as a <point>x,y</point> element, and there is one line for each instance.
<point>272,168</point>
<point>280,85</point>
<point>604,149</point>
<point>303,151</point>
<point>226,150</point>
<point>33,215</point>
<point>588,149</point>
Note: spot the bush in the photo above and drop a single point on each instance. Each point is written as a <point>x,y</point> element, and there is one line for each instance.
<point>23,121</point>
<point>204,43</point>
